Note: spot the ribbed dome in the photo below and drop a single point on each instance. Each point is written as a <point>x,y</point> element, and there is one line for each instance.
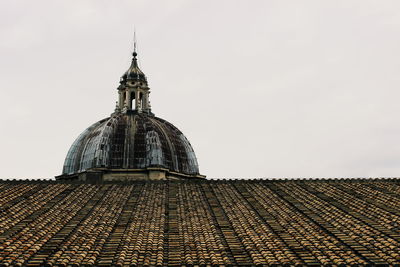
<point>132,144</point>
<point>131,141</point>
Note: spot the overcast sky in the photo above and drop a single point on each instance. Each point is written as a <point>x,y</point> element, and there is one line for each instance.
<point>260,88</point>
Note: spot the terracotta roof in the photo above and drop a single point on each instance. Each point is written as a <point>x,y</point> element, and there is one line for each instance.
<point>232,222</point>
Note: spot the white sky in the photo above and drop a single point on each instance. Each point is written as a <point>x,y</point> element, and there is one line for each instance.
<point>260,88</point>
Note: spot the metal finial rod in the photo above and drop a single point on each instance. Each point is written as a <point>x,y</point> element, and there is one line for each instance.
<point>134,41</point>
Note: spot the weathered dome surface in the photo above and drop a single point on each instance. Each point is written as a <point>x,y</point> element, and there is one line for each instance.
<point>132,144</point>
<point>131,141</point>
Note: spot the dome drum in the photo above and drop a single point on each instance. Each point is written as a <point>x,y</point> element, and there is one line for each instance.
<point>125,175</point>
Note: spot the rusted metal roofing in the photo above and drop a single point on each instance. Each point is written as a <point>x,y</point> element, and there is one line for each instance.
<point>131,141</point>
<point>202,222</point>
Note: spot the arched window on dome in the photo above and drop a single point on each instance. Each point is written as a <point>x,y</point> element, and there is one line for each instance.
<point>132,98</point>
<point>140,101</point>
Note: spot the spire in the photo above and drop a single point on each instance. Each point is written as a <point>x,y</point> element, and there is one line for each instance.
<point>134,42</point>
<point>134,60</point>
<point>133,89</point>
<point>134,54</point>
<point>137,74</point>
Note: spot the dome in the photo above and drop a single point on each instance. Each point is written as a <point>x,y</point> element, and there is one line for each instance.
<point>132,144</point>
<point>135,141</point>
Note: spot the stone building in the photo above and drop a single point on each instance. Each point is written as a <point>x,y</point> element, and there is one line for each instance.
<point>131,194</point>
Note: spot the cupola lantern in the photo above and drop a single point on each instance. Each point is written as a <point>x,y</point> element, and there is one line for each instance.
<point>133,89</point>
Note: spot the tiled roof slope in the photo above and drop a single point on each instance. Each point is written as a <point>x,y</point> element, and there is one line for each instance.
<point>236,222</point>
